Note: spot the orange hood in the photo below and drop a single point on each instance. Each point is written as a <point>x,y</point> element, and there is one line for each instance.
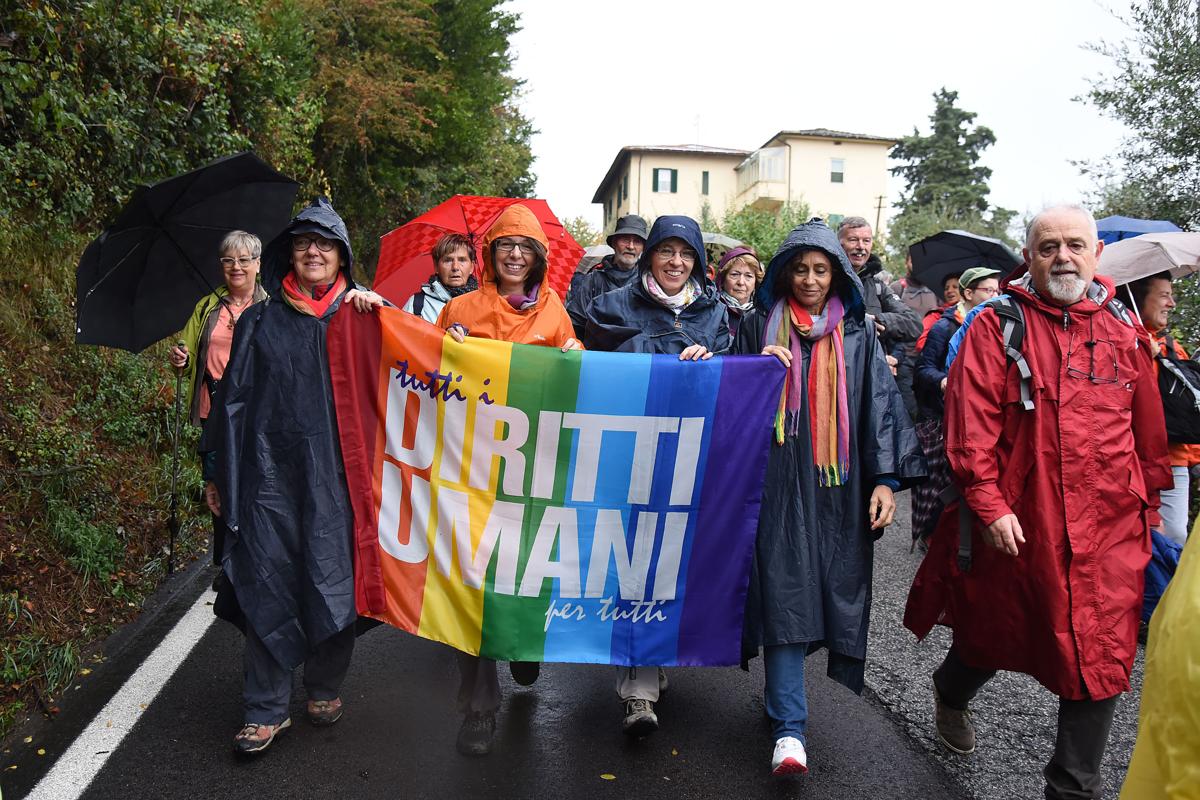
<point>516,220</point>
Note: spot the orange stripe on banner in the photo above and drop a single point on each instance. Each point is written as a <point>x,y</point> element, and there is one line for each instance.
<point>410,347</point>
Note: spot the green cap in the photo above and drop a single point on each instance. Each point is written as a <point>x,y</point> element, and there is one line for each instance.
<point>976,274</point>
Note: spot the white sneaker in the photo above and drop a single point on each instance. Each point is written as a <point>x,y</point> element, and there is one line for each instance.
<point>789,757</point>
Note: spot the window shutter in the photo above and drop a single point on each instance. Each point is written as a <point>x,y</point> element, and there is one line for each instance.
<point>704,182</point>
<point>674,181</point>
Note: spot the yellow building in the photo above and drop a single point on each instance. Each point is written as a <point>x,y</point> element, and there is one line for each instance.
<point>839,174</point>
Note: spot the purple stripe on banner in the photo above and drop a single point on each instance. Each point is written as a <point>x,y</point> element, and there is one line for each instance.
<point>724,542</point>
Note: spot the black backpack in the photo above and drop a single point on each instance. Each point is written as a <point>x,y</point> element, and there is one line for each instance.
<point>1012,335</point>
<point>1179,385</point>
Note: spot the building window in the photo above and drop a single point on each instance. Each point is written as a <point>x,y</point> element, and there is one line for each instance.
<point>704,182</point>
<point>666,180</point>
<point>619,195</point>
<point>837,170</point>
<point>607,211</point>
<point>625,185</point>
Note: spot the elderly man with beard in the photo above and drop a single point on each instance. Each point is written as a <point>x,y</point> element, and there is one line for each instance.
<point>1042,573</point>
<point>613,272</point>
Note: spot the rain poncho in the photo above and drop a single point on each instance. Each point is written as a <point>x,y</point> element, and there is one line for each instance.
<point>811,578</point>
<point>1166,758</point>
<point>279,465</point>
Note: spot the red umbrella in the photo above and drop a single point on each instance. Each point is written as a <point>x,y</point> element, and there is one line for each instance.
<point>405,254</point>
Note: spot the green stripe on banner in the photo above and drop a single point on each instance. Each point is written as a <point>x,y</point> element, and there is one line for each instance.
<point>540,379</point>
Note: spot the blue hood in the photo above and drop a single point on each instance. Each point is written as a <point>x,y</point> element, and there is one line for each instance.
<point>678,227</point>
<point>317,217</point>
<point>815,235</point>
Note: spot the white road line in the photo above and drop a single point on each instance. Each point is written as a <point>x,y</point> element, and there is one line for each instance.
<point>73,772</point>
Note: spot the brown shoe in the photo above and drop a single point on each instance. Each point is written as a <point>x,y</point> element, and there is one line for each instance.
<point>254,738</point>
<point>954,728</point>
<point>324,712</point>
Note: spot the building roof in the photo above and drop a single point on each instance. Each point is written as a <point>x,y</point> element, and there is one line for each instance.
<point>692,149</point>
<point>826,133</point>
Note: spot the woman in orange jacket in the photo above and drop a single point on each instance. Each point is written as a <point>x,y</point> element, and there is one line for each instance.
<point>514,303</point>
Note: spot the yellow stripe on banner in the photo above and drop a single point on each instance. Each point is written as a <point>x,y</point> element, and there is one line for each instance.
<point>452,612</point>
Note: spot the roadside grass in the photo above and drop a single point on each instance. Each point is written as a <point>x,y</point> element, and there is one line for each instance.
<point>85,476</point>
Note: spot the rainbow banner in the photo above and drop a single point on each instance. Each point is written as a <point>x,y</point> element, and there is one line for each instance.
<point>526,504</point>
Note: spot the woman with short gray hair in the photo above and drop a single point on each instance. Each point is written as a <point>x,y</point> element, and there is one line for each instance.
<point>208,335</point>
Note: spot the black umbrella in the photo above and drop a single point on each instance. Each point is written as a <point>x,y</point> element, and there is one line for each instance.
<point>947,253</point>
<point>140,280</point>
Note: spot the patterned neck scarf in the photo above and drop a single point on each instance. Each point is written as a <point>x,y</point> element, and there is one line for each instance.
<point>825,396</point>
<point>320,301</point>
<point>687,295</point>
<point>735,304</point>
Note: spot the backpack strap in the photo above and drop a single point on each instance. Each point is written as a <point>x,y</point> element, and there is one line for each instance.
<point>1012,336</point>
<point>418,302</point>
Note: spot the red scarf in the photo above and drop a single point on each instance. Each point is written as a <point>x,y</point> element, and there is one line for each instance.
<point>298,299</point>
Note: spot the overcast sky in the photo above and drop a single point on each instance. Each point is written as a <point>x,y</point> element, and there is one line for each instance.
<point>601,75</point>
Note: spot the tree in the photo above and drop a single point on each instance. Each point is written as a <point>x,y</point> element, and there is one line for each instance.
<point>1154,88</point>
<point>419,106</point>
<point>946,187</point>
<point>582,231</point>
<point>764,230</point>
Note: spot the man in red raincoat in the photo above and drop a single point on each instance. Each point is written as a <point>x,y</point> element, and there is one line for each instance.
<point>1062,496</point>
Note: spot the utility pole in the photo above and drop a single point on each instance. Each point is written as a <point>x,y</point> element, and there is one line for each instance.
<point>878,212</point>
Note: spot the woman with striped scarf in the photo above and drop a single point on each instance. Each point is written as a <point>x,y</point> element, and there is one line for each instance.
<point>843,444</point>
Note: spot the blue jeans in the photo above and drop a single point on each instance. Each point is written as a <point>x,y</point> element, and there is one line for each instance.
<point>786,703</point>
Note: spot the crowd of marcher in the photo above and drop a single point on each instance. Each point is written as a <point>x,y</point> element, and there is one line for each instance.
<point>1038,462</point>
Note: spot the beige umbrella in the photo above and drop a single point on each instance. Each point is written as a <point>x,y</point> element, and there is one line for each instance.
<point>1149,254</point>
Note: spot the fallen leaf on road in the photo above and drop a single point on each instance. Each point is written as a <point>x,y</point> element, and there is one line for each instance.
<point>28,739</point>
<point>89,611</point>
<point>608,776</point>
<point>85,671</point>
<point>41,751</point>
<point>674,752</point>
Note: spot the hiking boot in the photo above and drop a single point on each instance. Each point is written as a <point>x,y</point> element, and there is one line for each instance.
<point>954,728</point>
<point>640,719</point>
<point>789,757</point>
<point>324,712</point>
<point>525,672</point>
<point>255,737</point>
<point>475,735</point>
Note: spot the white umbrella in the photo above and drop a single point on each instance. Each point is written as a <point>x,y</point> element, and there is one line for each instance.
<point>592,256</point>
<point>1149,254</point>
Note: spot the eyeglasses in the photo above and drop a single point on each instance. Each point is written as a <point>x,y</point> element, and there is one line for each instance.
<point>986,290</point>
<point>302,243</point>
<point>525,248</point>
<point>668,254</point>
<point>242,262</point>
<point>1097,349</point>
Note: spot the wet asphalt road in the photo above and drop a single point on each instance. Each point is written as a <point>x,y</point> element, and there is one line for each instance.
<point>560,736</point>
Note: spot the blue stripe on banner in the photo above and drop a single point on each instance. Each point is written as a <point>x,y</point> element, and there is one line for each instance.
<point>615,384</point>
<point>682,390</point>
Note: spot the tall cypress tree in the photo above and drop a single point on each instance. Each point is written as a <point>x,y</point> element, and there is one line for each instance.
<point>946,187</point>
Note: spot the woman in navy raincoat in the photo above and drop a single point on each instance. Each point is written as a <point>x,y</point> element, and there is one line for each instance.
<point>670,308</point>
<point>843,445</point>
<point>281,484</point>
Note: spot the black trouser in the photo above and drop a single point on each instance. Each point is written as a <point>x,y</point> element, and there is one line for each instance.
<point>1074,771</point>
<point>219,528</point>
